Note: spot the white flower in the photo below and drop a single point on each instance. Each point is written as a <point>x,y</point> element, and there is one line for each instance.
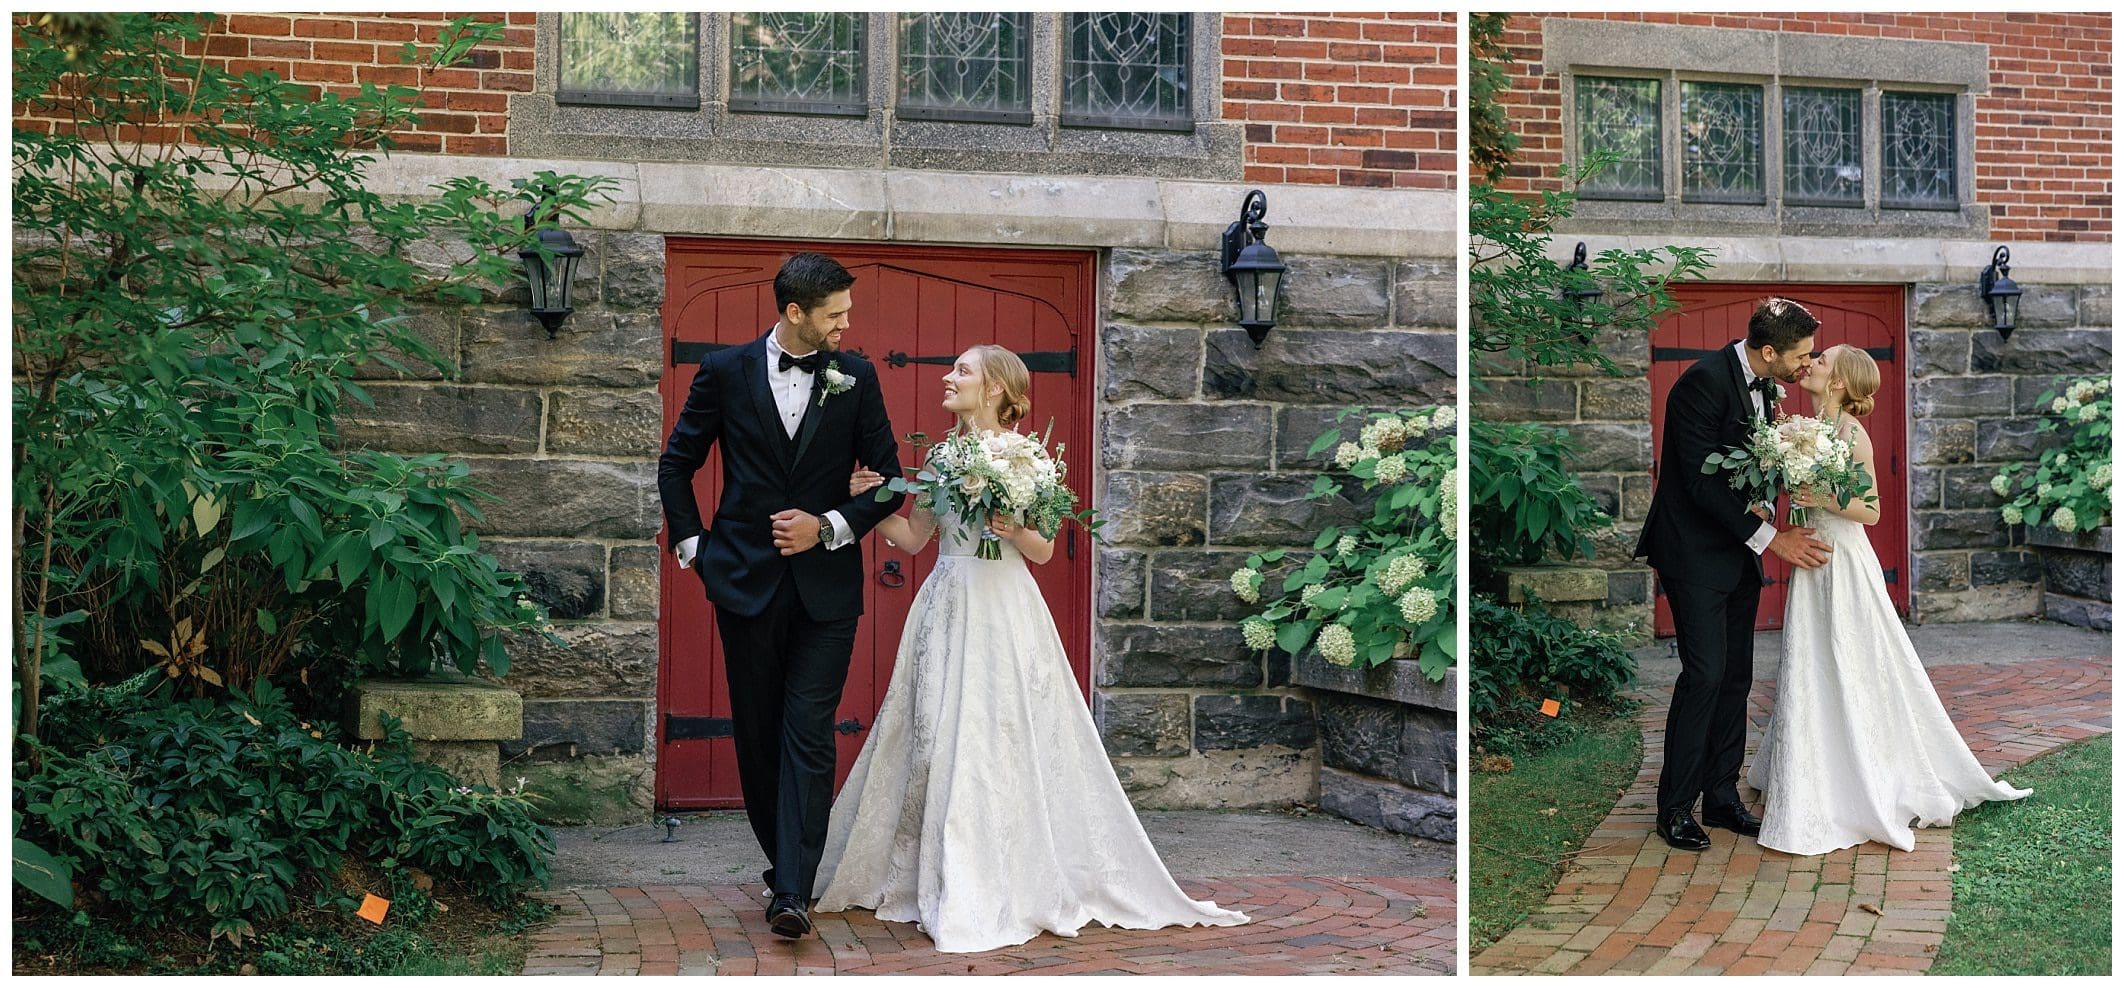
<point>1259,633</point>
<point>2063,520</point>
<point>2099,479</point>
<point>1449,504</point>
<point>2011,513</point>
<point>1337,645</point>
<point>2061,404</point>
<point>1346,545</point>
<point>1347,455</point>
<point>2042,490</point>
<point>1391,470</point>
<point>1312,590</point>
<point>834,382</point>
<point>1246,582</point>
<point>2089,413</point>
<point>2000,486</point>
<point>1401,572</point>
<point>1442,418</point>
<point>2058,460</point>
<point>1777,392</point>
<point>1419,605</point>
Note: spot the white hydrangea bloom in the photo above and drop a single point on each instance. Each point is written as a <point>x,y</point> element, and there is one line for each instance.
<point>2042,490</point>
<point>2011,514</point>
<point>2000,486</point>
<point>2089,413</point>
<point>2062,404</point>
<point>2058,460</point>
<point>2099,479</point>
<point>1346,545</point>
<point>1449,505</point>
<point>1443,417</point>
<point>2063,520</point>
<point>1347,455</point>
<point>1419,605</point>
<point>1401,572</point>
<point>1392,470</point>
<point>1311,591</point>
<point>1338,645</point>
<point>1259,633</point>
<point>1246,582</point>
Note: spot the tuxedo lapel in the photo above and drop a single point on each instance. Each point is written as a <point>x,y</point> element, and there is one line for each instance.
<point>1751,400</point>
<point>813,412</point>
<point>770,417</point>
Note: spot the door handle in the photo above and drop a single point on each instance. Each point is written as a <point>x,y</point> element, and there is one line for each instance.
<point>892,578</point>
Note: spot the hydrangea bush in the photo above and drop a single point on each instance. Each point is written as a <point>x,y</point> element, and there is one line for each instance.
<point>2067,487</point>
<point>1383,588</point>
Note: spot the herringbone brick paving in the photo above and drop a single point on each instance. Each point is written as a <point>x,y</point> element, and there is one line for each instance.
<point>1630,905</point>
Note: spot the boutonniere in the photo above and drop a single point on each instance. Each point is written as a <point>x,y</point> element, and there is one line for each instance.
<point>833,382</point>
<point>1777,392</point>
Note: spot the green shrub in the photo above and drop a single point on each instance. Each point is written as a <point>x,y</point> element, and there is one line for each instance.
<point>2067,487</point>
<point>1524,502</point>
<point>214,816</point>
<point>1524,655</point>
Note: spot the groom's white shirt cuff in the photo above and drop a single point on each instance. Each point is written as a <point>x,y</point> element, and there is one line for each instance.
<point>1761,540</point>
<point>841,537</point>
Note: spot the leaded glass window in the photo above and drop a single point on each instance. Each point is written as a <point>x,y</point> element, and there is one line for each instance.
<point>965,66</point>
<point>789,62</point>
<point>630,59</point>
<point>1722,142</point>
<point>1620,117</point>
<point>1917,151</point>
<point>1127,70</point>
<point>1824,159</point>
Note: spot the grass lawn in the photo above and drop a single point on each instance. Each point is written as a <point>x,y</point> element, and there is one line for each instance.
<point>1523,822</point>
<point>2032,888</point>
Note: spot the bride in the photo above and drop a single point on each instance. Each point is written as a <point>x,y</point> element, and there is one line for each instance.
<point>1858,745</point>
<point>982,806</point>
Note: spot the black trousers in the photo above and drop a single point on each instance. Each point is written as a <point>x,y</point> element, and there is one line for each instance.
<point>1707,725</point>
<point>786,672</point>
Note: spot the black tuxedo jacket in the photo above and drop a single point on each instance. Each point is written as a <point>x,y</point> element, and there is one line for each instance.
<point>764,471</point>
<point>1699,526</point>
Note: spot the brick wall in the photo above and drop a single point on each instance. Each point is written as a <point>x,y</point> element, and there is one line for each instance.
<point>2042,131</point>
<point>1345,99</point>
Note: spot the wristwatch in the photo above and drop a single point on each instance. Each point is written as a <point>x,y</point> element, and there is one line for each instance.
<point>825,530</point>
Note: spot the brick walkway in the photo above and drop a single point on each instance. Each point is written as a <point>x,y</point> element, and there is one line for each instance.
<point>1630,905</point>
<point>1300,926</point>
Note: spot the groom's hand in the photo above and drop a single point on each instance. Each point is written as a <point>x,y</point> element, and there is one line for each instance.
<point>795,531</point>
<point>1799,547</point>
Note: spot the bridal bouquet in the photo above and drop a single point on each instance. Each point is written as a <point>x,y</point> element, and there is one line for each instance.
<point>970,477</point>
<point>1795,451</point>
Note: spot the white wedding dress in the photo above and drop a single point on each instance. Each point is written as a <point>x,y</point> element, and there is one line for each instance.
<point>1858,745</point>
<point>982,806</point>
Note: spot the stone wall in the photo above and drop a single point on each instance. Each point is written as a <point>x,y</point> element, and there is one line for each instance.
<point>1203,463</point>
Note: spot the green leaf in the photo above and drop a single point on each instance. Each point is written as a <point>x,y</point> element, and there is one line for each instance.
<point>267,622</point>
<point>1295,636</point>
<point>206,513</point>
<point>211,559</point>
<point>40,872</point>
<point>395,607</point>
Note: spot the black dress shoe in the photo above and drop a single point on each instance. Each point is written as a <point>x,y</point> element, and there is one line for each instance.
<point>786,916</point>
<point>1679,830</point>
<point>1735,818</point>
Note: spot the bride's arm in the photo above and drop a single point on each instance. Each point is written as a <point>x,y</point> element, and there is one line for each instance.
<point>907,533</point>
<point>1865,508</point>
<point>1035,548</point>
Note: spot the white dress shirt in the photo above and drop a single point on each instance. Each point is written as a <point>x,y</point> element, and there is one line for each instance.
<point>792,398</point>
<point>1760,541</point>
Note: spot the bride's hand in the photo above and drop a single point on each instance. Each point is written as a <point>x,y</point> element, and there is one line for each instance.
<point>1002,527</point>
<point>1807,497</point>
<point>863,480</point>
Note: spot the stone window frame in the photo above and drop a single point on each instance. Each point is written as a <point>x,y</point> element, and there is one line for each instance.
<point>710,131</point>
<point>1675,54</point>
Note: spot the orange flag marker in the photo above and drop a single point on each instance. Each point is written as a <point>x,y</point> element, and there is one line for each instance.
<point>373,908</point>
<point>1550,708</point>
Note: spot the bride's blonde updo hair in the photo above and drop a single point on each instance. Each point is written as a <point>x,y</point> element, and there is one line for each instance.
<point>1000,366</point>
<point>1861,376</point>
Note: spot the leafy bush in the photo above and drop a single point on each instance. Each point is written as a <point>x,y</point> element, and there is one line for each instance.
<point>1525,504</point>
<point>189,316</point>
<point>1524,655</point>
<point>1383,586</point>
<point>211,816</point>
<point>2067,487</point>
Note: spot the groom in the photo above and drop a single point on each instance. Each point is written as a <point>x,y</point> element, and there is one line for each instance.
<point>794,415</point>
<point>1706,542</point>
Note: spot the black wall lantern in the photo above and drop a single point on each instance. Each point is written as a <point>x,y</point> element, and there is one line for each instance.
<point>552,285</point>
<point>1578,291</point>
<point>1253,267</point>
<point>2001,295</point>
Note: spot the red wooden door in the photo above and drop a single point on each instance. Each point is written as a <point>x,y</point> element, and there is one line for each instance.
<point>1869,316</point>
<point>916,310</point>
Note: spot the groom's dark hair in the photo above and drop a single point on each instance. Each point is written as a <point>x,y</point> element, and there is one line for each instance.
<point>807,279</point>
<point>1780,323</point>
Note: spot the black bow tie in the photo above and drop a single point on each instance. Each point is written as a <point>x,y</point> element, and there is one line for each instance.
<point>1762,384</point>
<point>810,362</point>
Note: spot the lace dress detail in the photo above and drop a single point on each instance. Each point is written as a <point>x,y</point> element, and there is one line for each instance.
<point>1858,745</point>
<point>982,806</point>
